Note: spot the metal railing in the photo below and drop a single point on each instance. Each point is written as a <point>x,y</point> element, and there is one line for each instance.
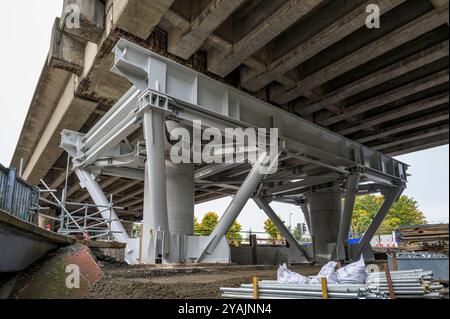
<point>17,197</point>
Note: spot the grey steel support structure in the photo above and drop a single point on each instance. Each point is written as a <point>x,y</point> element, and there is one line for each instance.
<point>351,191</point>
<point>316,166</point>
<point>264,205</point>
<point>390,197</point>
<point>235,207</point>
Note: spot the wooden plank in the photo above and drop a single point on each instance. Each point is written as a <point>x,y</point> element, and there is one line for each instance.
<point>389,281</point>
<point>323,282</point>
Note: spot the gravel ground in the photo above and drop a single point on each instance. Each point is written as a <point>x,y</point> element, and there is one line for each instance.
<point>179,283</point>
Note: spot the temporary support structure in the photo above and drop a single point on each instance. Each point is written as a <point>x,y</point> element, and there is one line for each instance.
<point>310,167</point>
<point>285,232</point>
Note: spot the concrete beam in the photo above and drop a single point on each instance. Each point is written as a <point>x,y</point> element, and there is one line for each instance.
<point>406,126</point>
<point>50,86</point>
<point>92,19</point>
<point>59,180</point>
<point>420,105</point>
<point>385,98</point>
<point>255,80</point>
<point>70,113</point>
<point>222,63</point>
<point>406,138</point>
<point>66,53</point>
<point>397,69</point>
<point>139,17</point>
<point>390,41</point>
<point>418,145</point>
<point>440,4</point>
<point>184,43</point>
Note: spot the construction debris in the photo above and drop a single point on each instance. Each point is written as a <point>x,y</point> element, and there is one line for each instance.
<point>424,238</point>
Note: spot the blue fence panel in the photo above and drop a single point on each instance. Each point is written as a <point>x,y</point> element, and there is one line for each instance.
<point>17,197</point>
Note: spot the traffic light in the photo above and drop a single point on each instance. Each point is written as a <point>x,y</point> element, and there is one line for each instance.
<point>304,229</point>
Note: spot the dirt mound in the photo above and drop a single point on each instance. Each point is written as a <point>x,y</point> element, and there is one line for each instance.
<point>104,278</point>
<point>47,278</point>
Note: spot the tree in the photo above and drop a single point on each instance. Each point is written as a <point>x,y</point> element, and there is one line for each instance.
<point>234,233</point>
<point>196,226</point>
<point>404,212</point>
<point>296,233</point>
<point>209,222</point>
<point>271,229</point>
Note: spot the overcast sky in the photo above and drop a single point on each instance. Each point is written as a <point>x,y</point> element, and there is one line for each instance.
<point>26,33</point>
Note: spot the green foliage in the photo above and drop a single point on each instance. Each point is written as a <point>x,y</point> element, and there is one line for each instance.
<point>271,229</point>
<point>210,221</point>
<point>404,212</point>
<point>296,233</point>
<point>208,224</point>
<point>234,232</point>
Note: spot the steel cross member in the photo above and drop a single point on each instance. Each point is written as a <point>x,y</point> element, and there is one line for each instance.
<point>264,205</point>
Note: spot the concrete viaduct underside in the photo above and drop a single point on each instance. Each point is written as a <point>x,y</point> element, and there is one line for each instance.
<point>386,88</point>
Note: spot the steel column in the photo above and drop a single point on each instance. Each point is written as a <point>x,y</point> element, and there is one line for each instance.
<point>154,133</point>
<point>262,204</point>
<point>346,219</point>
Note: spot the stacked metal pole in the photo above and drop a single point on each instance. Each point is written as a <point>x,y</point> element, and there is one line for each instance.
<point>407,284</point>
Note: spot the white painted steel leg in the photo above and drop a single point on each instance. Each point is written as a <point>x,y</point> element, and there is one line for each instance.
<point>180,198</point>
<point>154,134</point>
<point>346,218</point>
<point>262,204</point>
<point>95,191</point>
<point>147,252</point>
<point>234,209</point>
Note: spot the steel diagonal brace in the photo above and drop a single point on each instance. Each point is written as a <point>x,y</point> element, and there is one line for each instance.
<point>262,204</point>
<point>237,204</point>
<point>87,181</point>
<point>390,197</point>
<point>346,218</point>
